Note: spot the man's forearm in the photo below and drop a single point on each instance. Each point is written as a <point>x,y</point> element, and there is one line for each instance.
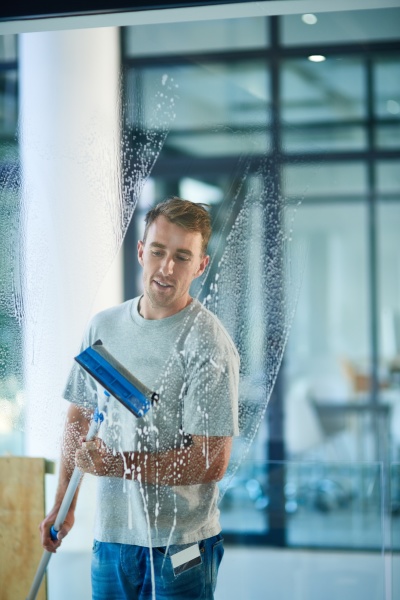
<point>164,468</point>
<point>203,462</point>
<point>76,428</point>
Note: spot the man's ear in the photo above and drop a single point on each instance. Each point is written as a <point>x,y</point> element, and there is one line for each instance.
<point>140,250</point>
<point>203,265</point>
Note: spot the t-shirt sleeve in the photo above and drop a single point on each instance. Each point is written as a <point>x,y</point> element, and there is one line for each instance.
<point>81,388</point>
<point>210,403</point>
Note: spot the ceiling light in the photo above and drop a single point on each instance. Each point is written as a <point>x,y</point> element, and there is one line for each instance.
<point>393,107</point>
<point>309,19</point>
<point>317,58</point>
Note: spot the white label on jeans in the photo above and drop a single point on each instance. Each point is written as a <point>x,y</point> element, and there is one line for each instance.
<point>187,558</point>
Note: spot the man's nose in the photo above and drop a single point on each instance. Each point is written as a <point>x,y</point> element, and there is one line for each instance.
<point>167,266</point>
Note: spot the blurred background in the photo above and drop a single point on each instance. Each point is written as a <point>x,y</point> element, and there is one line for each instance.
<point>312,101</point>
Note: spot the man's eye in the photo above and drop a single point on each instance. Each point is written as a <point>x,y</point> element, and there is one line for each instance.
<point>183,258</point>
<point>156,253</point>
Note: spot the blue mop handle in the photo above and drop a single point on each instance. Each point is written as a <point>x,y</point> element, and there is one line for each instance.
<point>64,508</point>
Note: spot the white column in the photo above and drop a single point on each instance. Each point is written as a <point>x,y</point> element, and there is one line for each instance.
<point>70,149</point>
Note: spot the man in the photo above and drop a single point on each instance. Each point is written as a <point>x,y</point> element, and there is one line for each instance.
<point>157,522</point>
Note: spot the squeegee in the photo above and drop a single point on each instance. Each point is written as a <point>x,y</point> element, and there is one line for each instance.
<point>118,382</point>
<point>116,379</point>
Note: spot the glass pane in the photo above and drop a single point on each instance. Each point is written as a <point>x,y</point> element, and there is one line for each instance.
<point>12,409</point>
<point>223,110</point>
<point>8,47</point>
<point>11,399</point>
<point>388,221</point>
<point>335,505</point>
<point>8,102</point>
<point>388,177</point>
<point>219,106</point>
<point>395,513</point>
<point>325,181</point>
<point>203,36</point>
<point>219,143</point>
<point>329,338</point>
<point>333,90</point>
<point>318,138</point>
<point>244,504</point>
<point>336,27</point>
<point>388,136</point>
<point>389,283</point>
<point>387,88</point>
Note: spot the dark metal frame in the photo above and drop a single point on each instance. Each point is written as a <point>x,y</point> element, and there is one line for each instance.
<point>25,10</point>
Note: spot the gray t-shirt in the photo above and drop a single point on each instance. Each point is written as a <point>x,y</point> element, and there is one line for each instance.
<point>191,361</point>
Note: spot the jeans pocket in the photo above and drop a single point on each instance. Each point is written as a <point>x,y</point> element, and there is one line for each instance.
<point>96,546</point>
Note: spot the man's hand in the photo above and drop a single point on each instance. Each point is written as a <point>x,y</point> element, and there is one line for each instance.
<point>96,458</point>
<point>76,427</point>
<point>47,542</point>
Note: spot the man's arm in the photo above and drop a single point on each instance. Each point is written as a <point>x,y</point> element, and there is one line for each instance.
<point>204,461</point>
<point>76,428</point>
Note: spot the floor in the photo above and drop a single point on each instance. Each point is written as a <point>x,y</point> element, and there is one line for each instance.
<point>256,574</point>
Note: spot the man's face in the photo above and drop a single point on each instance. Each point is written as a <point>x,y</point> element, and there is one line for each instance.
<point>171,258</point>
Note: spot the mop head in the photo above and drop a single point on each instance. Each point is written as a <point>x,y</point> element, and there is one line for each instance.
<point>116,379</point>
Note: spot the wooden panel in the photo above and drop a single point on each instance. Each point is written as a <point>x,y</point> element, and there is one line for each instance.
<point>22,508</point>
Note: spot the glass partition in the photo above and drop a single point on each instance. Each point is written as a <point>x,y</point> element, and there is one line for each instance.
<point>299,161</point>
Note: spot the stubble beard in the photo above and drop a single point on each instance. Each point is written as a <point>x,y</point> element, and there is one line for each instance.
<point>157,299</point>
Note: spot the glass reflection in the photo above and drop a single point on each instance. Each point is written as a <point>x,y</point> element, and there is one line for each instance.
<point>341,27</point>
<point>223,109</point>
<point>253,105</point>
<point>323,109</point>
<point>202,36</point>
<point>11,400</point>
<point>327,504</point>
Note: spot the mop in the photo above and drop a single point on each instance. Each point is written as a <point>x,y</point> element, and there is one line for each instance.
<point>118,382</point>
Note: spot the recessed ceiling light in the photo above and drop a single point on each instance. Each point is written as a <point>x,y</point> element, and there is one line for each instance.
<point>393,107</point>
<point>317,58</point>
<point>309,19</point>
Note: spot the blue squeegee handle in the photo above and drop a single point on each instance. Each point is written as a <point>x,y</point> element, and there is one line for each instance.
<point>63,510</point>
<point>74,481</point>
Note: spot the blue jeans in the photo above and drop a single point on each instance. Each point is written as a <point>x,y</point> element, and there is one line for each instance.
<point>123,572</point>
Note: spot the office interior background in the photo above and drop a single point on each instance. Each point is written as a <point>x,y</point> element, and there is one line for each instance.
<point>288,126</point>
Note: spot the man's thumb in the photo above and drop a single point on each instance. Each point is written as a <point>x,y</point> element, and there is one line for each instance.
<point>62,533</point>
